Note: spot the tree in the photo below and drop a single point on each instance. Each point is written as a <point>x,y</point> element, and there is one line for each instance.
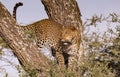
<point>22,48</point>
<point>27,53</point>
<point>66,13</point>
<point>102,49</point>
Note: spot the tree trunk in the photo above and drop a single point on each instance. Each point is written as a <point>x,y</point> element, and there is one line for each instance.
<point>66,12</point>
<point>26,52</point>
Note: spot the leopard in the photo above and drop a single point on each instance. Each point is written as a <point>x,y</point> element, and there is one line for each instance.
<point>61,41</point>
<point>70,39</point>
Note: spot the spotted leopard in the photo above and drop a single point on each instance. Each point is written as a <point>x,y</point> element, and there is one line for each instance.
<point>61,41</point>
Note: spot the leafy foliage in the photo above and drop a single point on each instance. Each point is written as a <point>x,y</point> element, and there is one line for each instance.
<point>102,50</point>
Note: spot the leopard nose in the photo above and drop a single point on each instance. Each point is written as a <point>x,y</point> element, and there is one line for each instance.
<point>63,42</point>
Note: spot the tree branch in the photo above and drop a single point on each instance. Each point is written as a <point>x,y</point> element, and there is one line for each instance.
<point>27,53</point>
<point>66,12</point>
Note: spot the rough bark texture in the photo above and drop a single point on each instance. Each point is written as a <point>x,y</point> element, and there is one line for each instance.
<point>66,12</point>
<point>27,53</point>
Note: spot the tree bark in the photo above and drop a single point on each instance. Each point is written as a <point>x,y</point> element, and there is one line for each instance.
<point>26,52</point>
<point>66,12</point>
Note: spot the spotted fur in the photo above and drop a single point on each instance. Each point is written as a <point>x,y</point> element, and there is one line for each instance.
<point>61,41</point>
<point>15,9</point>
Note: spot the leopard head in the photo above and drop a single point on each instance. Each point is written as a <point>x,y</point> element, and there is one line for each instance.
<point>70,40</point>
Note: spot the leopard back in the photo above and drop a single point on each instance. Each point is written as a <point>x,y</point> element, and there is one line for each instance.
<point>62,42</point>
<point>48,33</point>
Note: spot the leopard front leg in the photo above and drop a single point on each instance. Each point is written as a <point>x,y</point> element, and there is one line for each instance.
<point>60,58</point>
<point>72,64</point>
<point>71,56</point>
